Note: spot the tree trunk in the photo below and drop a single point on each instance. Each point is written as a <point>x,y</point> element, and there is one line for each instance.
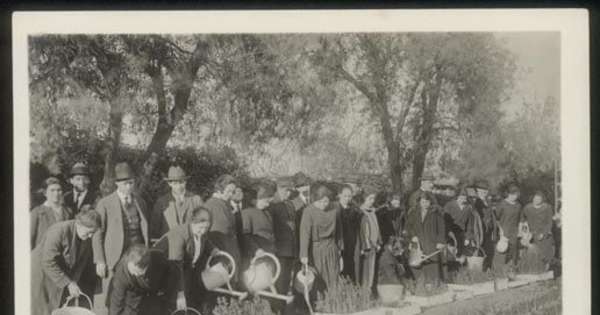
<point>115,126</point>
<point>430,96</point>
<point>183,83</point>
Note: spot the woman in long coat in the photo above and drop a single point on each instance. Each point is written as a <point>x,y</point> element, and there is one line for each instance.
<point>62,264</point>
<point>370,238</point>
<point>539,215</point>
<point>319,230</point>
<point>425,225</point>
<point>509,215</point>
<point>50,212</point>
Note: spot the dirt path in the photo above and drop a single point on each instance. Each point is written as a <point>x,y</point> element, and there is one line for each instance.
<point>507,297</point>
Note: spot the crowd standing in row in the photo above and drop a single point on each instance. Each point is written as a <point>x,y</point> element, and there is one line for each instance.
<point>149,261</point>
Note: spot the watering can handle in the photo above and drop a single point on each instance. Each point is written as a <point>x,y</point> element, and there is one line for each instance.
<point>226,254</point>
<point>277,264</point>
<point>70,298</point>
<point>431,255</point>
<point>186,310</point>
<point>305,283</point>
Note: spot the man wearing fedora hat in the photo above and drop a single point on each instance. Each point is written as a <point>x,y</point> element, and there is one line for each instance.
<point>124,219</point>
<point>426,181</point>
<point>172,209</point>
<point>80,195</point>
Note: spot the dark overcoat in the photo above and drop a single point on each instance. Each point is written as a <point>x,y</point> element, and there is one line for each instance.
<point>89,199</point>
<point>154,293</point>
<point>430,231</point>
<point>257,231</point>
<point>59,258</point>
<point>166,214</point>
<point>40,219</point>
<point>285,228</point>
<point>223,230</point>
<point>178,245</point>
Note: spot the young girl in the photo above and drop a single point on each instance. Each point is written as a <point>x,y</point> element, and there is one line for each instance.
<point>50,212</point>
<point>318,228</point>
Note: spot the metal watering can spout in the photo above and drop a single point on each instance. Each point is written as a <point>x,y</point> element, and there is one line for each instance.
<point>416,256</point>
<point>259,275</point>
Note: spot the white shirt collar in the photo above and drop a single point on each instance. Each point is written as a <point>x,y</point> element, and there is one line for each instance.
<point>179,197</point>
<point>122,197</point>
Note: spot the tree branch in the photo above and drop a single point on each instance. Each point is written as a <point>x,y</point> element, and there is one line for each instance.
<point>406,109</point>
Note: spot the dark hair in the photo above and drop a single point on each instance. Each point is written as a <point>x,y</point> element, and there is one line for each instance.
<point>139,255</point>
<point>223,181</point>
<point>394,196</point>
<point>199,215</point>
<point>380,199</point>
<point>540,193</point>
<point>426,195</point>
<point>321,193</point>
<point>344,187</point>
<point>512,189</point>
<point>48,182</point>
<point>88,217</point>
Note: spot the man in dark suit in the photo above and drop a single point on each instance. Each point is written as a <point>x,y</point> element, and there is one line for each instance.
<point>285,231</point>
<point>171,209</point>
<point>236,206</point>
<point>80,195</point>
<point>124,219</point>
<point>189,247</point>
<point>145,283</point>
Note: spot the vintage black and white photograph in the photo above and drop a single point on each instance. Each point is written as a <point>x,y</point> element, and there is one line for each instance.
<point>295,172</point>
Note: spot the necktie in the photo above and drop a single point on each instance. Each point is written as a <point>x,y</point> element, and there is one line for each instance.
<point>77,198</point>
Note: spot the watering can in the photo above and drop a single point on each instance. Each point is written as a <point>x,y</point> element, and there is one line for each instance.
<point>216,276</point>
<point>74,310</point>
<point>525,234</point>
<point>260,275</point>
<point>303,283</point>
<point>304,279</point>
<point>474,261</point>
<point>416,256</point>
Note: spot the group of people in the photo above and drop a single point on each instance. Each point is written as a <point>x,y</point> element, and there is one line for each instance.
<point>139,260</point>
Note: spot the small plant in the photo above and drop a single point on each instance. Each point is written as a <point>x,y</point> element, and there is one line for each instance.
<point>474,276</point>
<point>422,287</point>
<point>347,298</point>
<point>227,306</point>
<point>531,263</point>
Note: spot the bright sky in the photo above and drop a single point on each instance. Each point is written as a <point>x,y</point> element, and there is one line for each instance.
<point>538,59</point>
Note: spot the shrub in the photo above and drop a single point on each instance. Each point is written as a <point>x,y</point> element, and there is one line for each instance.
<point>348,298</point>
<point>203,166</point>
<point>422,287</point>
<point>229,306</point>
